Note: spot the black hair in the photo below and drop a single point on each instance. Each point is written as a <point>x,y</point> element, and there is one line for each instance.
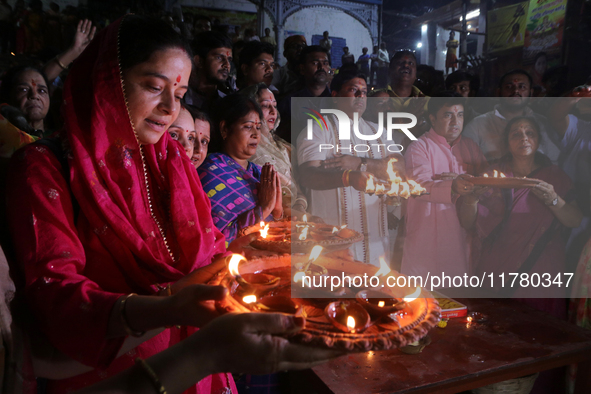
<point>253,91</point>
<point>343,77</point>
<point>444,99</point>
<point>398,55</point>
<point>457,77</point>
<point>311,49</point>
<point>349,68</point>
<point>208,40</point>
<point>254,49</point>
<point>9,79</point>
<point>197,114</point>
<point>140,37</point>
<point>461,75</point>
<point>230,109</point>
<point>516,71</point>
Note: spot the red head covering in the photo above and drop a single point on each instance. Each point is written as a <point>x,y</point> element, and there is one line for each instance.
<point>144,203</point>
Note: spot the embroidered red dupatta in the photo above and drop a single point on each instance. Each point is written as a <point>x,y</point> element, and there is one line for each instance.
<point>143,220</point>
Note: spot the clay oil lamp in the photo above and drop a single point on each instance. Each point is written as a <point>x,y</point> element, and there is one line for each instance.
<point>322,232</point>
<point>379,304</point>
<point>347,316</point>
<point>345,232</point>
<point>277,304</point>
<point>251,283</point>
<point>310,268</point>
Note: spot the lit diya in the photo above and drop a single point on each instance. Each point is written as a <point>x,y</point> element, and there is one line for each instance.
<point>394,187</point>
<point>379,304</point>
<point>347,316</point>
<point>255,283</point>
<point>500,180</point>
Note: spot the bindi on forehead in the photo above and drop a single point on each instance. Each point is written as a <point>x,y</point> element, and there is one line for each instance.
<point>228,54</point>
<point>33,83</point>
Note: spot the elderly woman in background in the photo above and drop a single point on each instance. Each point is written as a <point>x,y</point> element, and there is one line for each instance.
<point>275,150</point>
<point>241,192</point>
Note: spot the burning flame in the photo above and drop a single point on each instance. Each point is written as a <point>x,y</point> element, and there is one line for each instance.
<point>381,304</point>
<point>249,299</point>
<point>384,269</point>
<point>394,189</point>
<point>380,189</point>
<point>343,226</point>
<point>316,250</point>
<point>262,224</point>
<point>350,323</point>
<point>264,230</point>
<point>413,296</point>
<point>405,192</point>
<point>299,276</point>
<point>393,176</point>
<point>305,218</point>
<point>370,186</point>
<point>334,230</point>
<point>304,234</point>
<point>416,189</point>
<point>233,264</point>
<point>496,174</point>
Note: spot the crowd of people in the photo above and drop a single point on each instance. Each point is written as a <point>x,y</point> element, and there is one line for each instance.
<point>128,186</point>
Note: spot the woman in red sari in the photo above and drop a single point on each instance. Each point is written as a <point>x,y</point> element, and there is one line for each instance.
<point>509,222</point>
<point>511,225</point>
<point>122,212</point>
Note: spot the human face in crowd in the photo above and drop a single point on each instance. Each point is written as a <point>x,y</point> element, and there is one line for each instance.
<point>294,48</point>
<point>268,105</point>
<point>183,131</point>
<point>316,68</point>
<point>523,139</point>
<point>260,70</point>
<point>154,90</point>
<point>356,90</point>
<point>202,131</point>
<point>517,90</point>
<point>462,88</point>
<point>448,122</point>
<point>242,138</point>
<point>202,25</point>
<point>217,65</point>
<point>404,70</point>
<point>31,96</point>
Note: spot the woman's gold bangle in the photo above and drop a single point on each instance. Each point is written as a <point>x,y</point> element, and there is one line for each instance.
<point>59,63</point>
<point>151,374</point>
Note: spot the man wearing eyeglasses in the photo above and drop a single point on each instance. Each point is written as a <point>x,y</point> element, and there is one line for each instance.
<point>488,130</point>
